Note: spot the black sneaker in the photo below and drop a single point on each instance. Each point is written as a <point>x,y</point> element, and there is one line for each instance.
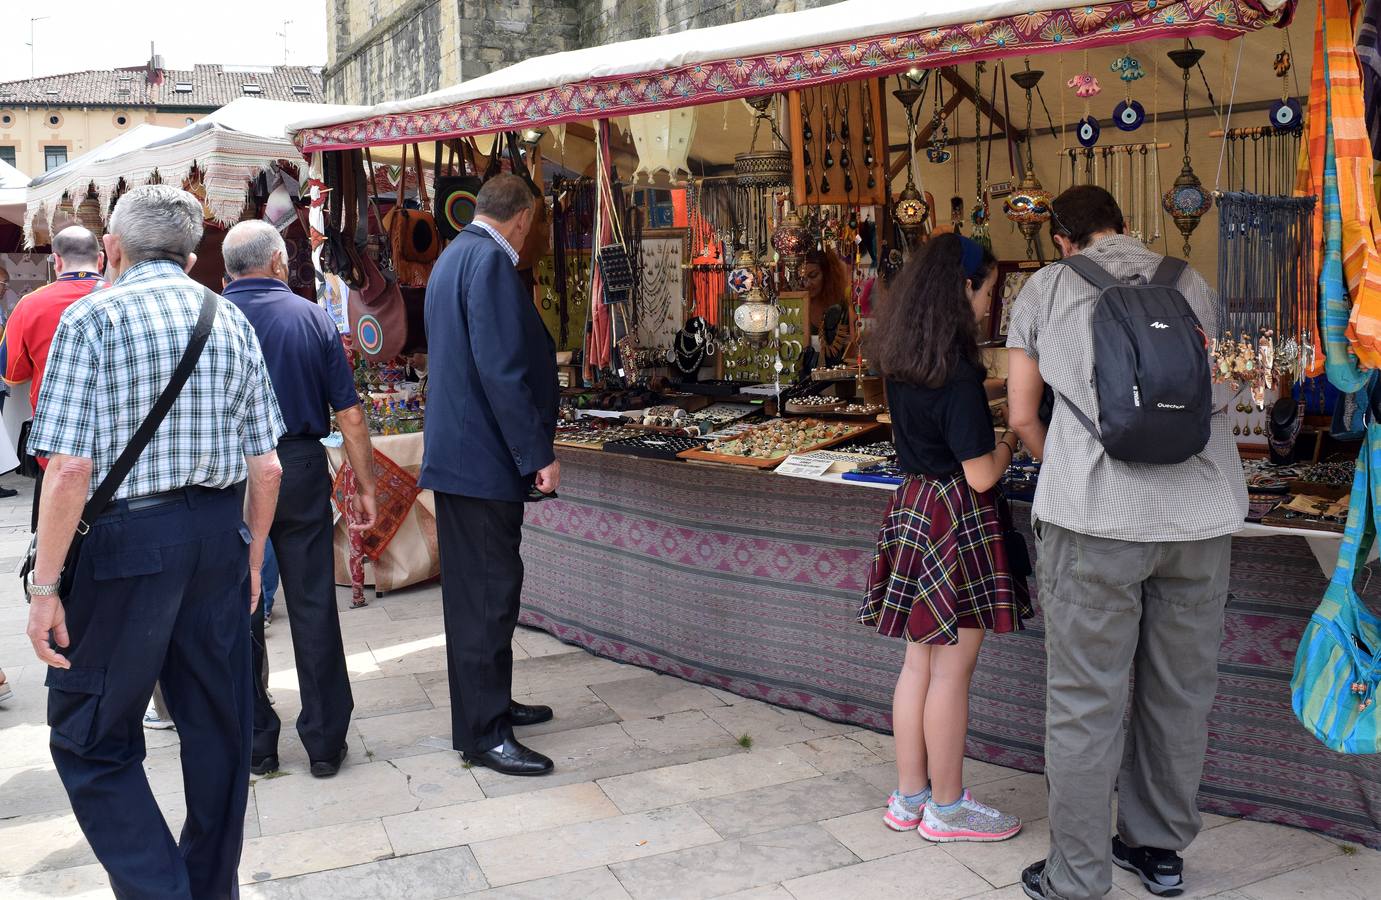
<point>1031,880</point>
<point>1162,871</point>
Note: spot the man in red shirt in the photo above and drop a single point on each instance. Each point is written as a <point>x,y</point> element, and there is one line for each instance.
<point>78,260</point>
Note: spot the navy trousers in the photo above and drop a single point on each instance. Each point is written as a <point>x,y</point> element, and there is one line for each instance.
<point>303,542</point>
<point>159,595</point>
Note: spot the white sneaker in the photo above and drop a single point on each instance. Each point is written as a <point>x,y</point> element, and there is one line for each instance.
<point>152,720</point>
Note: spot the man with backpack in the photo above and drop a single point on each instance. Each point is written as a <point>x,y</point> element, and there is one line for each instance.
<point>1140,491</point>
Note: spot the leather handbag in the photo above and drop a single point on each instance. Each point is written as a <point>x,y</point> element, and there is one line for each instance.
<point>454,194</point>
<point>124,463</point>
<point>413,238</point>
<point>378,318</point>
<point>1338,664</point>
<point>538,241</point>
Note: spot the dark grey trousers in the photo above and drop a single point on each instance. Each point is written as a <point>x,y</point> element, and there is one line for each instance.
<point>1112,609</point>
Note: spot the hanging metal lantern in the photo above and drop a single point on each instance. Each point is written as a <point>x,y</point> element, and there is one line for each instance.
<point>743,276</point>
<point>910,210</point>
<point>791,240</point>
<point>1187,202</point>
<point>756,317</point>
<point>1029,208</point>
<point>763,168</point>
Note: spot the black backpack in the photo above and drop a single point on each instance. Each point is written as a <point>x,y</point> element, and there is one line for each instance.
<point>1150,367</point>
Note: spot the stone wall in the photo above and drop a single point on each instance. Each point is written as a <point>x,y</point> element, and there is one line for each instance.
<point>607,21</point>
<point>388,49</point>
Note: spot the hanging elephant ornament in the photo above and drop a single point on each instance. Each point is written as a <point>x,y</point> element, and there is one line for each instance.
<point>1129,115</point>
<point>1085,85</point>
<point>1088,131</point>
<point>1128,68</point>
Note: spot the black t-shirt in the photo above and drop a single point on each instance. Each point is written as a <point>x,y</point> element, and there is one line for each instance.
<point>937,429</point>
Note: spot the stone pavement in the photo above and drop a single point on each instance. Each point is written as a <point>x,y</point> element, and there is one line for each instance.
<point>663,789</point>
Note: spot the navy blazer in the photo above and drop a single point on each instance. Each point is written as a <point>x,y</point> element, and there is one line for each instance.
<point>492,391</point>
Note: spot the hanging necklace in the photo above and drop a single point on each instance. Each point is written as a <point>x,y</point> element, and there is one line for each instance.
<point>846,160</point>
<point>868,157</point>
<point>807,135</point>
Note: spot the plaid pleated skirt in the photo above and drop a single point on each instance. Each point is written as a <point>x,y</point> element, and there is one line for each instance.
<point>942,564</point>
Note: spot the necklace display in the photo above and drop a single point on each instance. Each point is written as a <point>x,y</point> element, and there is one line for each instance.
<point>835,157</point>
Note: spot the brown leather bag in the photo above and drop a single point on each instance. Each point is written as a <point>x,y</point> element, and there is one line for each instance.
<point>378,319</point>
<point>414,240</point>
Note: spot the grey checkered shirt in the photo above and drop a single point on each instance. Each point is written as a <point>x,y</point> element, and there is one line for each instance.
<point>114,352</point>
<point>1083,489</point>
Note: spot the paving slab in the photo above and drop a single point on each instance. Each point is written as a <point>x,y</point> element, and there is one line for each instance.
<point>555,851</point>
<point>299,802</point>
<point>654,695</point>
<point>922,872</point>
<point>486,820</point>
<point>837,753</point>
<point>668,786</point>
<point>868,838</point>
<point>424,876</point>
<point>313,850</point>
<point>726,867</point>
<point>771,726</point>
<point>794,803</point>
<point>587,884</point>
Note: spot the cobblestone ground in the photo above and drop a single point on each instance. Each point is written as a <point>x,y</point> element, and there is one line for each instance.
<point>654,794</point>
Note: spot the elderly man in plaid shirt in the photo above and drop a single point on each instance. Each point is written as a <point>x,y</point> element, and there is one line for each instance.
<point>163,584</point>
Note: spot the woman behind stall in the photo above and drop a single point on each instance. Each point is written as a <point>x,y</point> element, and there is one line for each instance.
<point>941,577</point>
<point>826,281</point>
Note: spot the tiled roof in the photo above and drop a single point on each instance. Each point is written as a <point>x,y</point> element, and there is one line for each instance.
<point>203,87</point>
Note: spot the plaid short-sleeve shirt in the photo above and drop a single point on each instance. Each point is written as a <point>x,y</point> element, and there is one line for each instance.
<point>114,352</point>
<point>1081,487</point>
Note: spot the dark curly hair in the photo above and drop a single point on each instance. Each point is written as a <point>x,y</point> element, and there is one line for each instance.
<point>924,326</point>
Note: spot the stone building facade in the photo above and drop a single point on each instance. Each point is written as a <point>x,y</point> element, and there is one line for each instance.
<point>383,50</point>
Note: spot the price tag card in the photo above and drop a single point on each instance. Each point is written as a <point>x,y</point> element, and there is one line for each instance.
<point>798,466</point>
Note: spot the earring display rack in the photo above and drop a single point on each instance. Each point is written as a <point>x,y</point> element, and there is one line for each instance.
<point>830,108</point>
<point>750,363</point>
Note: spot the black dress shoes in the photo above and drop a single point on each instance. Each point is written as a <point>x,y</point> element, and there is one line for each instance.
<point>325,768</point>
<point>263,765</point>
<point>521,714</point>
<point>511,758</point>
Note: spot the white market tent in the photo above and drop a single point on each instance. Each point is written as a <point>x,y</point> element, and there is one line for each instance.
<point>843,41</point>
<point>12,193</point>
<point>229,147</point>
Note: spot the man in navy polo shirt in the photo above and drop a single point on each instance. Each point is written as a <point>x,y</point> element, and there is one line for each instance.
<point>310,376</point>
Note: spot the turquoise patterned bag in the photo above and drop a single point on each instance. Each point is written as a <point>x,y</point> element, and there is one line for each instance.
<point>1338,664</point>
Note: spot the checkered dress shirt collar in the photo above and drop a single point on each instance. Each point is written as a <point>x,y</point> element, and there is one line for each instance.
<point>114,352</point>
<point>503,241</point>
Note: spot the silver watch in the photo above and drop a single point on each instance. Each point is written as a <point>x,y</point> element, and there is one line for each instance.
<point>39,590</point>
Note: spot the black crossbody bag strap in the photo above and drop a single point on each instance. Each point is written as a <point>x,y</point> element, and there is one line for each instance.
<point>130,455</point>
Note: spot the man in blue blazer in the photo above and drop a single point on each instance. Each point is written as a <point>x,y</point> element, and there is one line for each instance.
<point>491,419</point>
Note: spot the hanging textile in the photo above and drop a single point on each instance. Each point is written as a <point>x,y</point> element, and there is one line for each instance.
<point>1369,55</point>
<point>599,334</point>
<point>1337,122</point>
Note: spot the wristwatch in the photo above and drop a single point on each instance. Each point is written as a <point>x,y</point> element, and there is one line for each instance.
<point>39,590</point>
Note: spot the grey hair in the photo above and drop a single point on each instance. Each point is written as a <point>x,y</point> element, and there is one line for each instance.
<point>157,221</point>
<point>250,247</point>
<point>76,245</point>
<point>503,197</point>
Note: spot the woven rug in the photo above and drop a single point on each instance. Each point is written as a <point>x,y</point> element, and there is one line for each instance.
<point>749,582</point>
<point>395,492</point>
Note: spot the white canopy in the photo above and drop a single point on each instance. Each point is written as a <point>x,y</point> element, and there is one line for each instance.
<point>230,146</point>
<point>843,41</point>
<point>12,184</point>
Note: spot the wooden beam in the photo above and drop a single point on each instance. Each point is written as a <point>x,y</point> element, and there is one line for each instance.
<point>1014,135</point>
<point>923,136</point>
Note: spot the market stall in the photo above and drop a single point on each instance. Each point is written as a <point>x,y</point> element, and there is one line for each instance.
<point>235,160</point>
<point>760,179</point>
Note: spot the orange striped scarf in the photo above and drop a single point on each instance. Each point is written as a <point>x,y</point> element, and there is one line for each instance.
<point>1342,90</point>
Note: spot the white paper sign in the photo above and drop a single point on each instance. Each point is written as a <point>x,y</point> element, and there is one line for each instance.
<point>803,467</point>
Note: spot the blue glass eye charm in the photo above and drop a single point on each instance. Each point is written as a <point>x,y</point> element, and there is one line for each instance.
<point>1087,131</point>
<point>1286,114</point>
<point>1129,115</point>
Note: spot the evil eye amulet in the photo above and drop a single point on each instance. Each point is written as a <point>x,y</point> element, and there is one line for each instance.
<point>1088,131</point>
<point>1286,114</point>
<point>1129,116</point>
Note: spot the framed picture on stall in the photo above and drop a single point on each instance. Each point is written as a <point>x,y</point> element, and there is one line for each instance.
<point>1012,276</point>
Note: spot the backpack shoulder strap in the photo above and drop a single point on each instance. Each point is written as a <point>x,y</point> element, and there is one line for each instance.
<point>1084,420</point>
<point>1091,272</point>
<point>1169,272</point>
